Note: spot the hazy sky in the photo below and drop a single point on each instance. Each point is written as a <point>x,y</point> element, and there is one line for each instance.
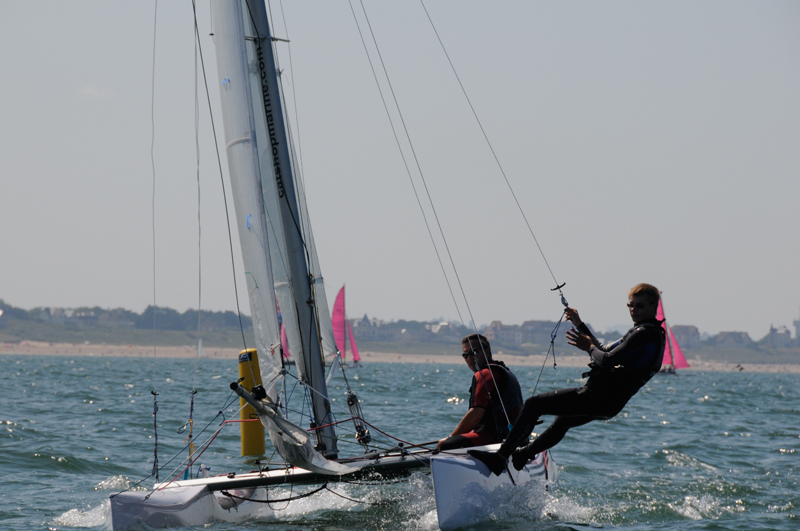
<point>646,141</point>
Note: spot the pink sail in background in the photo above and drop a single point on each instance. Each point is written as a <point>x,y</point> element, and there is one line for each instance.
<point>353,347</point>
<point>672,351</point>
<point>341,326</point>
<point>284,342</point>
<point>337,320</point>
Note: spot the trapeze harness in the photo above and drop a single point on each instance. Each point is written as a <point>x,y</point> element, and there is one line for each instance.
<point>637,361</point>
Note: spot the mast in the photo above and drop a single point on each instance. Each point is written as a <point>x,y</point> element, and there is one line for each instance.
<point>271,149</point>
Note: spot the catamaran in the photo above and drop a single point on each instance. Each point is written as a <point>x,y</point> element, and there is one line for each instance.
<point>282,270</point>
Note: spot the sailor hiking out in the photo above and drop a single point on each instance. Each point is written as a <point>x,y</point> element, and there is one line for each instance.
<point>618,371</point>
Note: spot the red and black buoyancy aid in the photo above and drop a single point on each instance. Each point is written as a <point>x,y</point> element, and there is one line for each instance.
<point>506,398</point>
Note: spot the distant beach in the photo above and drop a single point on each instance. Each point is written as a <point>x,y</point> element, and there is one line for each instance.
<point>40,348</point>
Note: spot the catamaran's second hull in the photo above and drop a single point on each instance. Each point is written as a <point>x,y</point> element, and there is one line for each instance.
<point>463,486</point>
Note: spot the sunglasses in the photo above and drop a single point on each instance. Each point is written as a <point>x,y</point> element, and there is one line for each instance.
<point>466,355</point>
<point>638,305</point>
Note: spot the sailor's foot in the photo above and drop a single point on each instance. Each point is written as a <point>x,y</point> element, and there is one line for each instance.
<point>520,458</point>
<point>494,461</point>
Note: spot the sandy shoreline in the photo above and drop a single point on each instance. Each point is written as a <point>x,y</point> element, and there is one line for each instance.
<point>39,348</point>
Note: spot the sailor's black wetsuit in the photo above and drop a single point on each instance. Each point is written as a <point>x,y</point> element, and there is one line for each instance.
<point>617,373</point>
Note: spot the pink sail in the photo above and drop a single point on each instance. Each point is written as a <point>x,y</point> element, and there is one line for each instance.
<point>353,347</point>
<point>677,356</point>
<point>338,320</point>
<point>341,326</point>
<point>672,351</point>
<point>284,342</point>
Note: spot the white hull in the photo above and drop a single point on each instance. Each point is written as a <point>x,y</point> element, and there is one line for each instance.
<point>185,506</point>
<point>202,501</point>
<point>462,486</point>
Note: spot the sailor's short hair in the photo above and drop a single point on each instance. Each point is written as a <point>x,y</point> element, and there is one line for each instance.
<point>649,291</point>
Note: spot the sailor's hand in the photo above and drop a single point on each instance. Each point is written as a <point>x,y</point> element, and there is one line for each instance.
<point>439,444</point>
<point>576,339</point>
<point>572,315</point>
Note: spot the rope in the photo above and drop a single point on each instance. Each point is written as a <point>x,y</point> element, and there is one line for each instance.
<point>306,495</point>
<point>551,348</point>
<point>289,499</point>
<point>392,502</point>
<point>514,196</point>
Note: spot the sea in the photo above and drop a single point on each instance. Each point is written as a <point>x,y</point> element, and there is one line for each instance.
<point>692,451</point>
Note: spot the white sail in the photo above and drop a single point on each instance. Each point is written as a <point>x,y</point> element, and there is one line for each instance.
<point>246,183</point>
<point>242,36</point>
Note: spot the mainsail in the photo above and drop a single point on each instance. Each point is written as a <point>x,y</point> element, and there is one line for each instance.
<point>246,188</point>
<point>267,208</point>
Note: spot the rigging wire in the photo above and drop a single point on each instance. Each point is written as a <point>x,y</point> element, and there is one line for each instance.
<point>154,391</point>
<point>199,225</point>
<point>190,422</point>
<point>421,174</point>
<point>427,191</point>
<point>558,285</point>
<point>491,148</point>
<point>231,398</point>
<point>299,157</point>
<point>403,156</point>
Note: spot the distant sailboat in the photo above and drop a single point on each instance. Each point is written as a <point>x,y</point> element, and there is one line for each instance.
<point>340,335</point>
<point>673,357</point>
<point>286,354</point>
